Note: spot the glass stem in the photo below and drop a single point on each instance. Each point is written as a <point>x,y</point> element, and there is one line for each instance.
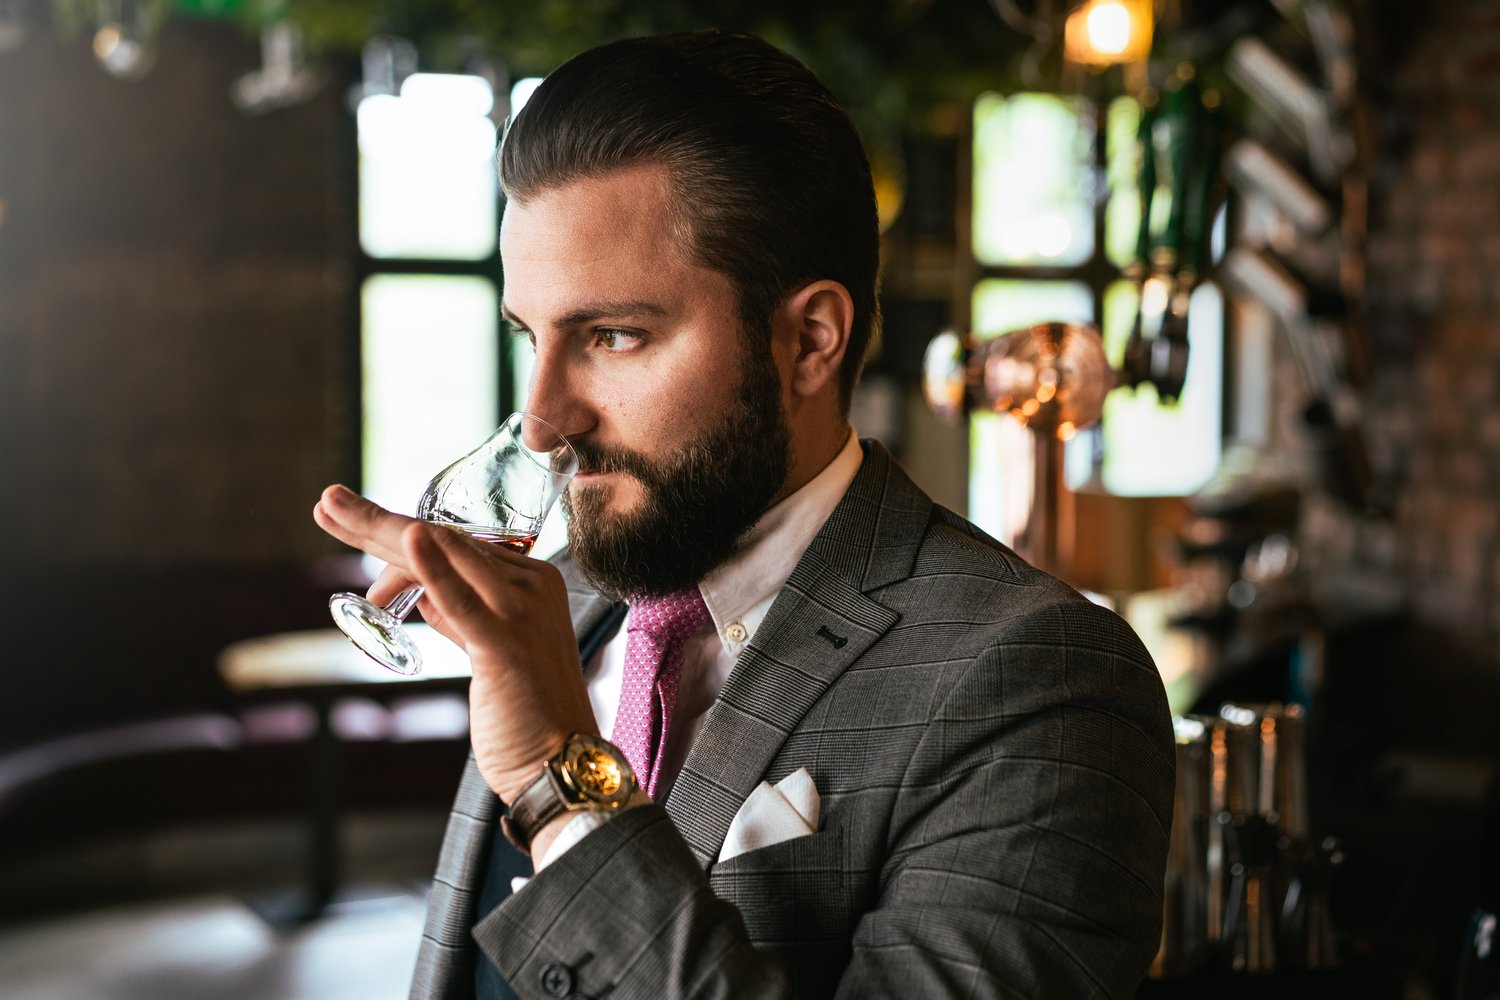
<point>404,602</point>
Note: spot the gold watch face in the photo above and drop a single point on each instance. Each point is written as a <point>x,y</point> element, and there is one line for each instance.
<point>597,772</point>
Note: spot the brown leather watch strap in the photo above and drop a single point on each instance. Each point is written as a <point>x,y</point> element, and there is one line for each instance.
<point>537,804</point>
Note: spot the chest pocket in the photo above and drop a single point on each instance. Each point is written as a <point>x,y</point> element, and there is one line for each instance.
<point>798,894</point>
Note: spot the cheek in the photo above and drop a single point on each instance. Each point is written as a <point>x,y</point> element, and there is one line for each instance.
<point>653,412</point>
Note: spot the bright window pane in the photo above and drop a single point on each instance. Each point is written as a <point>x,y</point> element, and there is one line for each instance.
<point>427,184</point>
<point>1156,450</point>
<point>1033,180</point>
<point>1005,304</point>
<point>521,92</point>
<point>999,447</point>
<point>1122,215</point>
<point>430,379</point>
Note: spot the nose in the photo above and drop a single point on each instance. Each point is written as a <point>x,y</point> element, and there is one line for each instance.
<point>552,392</point>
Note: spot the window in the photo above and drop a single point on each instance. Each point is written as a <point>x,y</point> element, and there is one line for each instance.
<point>428,211</point>
<point>1054,225</point>
<point>437,375</point>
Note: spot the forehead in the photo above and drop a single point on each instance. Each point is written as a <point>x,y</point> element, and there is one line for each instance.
<point>604,217</point>
<point>570,249</point>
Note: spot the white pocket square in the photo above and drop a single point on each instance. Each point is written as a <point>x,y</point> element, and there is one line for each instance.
<point>771,815</point>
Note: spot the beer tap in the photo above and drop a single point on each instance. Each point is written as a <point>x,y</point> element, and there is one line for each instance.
<point>1179,148</point>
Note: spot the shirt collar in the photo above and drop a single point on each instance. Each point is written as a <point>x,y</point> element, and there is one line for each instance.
<point>740,590</point>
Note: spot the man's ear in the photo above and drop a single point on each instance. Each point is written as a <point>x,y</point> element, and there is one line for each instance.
<point>817,319</point>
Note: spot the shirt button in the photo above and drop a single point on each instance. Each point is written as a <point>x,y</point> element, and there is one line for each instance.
<point>735,632</point>
<point>557,980</point>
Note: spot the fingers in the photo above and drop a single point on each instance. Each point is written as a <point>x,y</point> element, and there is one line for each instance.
<point>356,521</point>
<point>435,554</point>
<point>470,583</point>
<point>391,581</point>
<point>470,586</point>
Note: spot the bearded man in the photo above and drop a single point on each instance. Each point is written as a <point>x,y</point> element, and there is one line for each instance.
<point>858,748</point>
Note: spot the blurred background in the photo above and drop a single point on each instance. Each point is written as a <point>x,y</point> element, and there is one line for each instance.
<point>1190,301</point>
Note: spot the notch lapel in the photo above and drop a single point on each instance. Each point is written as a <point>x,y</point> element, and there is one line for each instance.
<point>821,622</point>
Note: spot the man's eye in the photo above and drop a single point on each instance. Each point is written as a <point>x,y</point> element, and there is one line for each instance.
<point>616,340</point>
<point>521,332</point>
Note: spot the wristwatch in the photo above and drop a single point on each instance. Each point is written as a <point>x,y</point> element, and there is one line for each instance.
<point>588,773</point>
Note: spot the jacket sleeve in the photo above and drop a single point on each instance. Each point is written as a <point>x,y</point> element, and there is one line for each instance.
<point>1030,840</point>
<point>1023,856</point>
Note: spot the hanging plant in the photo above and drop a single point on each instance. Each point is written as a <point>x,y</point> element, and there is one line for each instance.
<point>890,61</point>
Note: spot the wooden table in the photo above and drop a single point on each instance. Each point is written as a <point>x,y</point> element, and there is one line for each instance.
<point>318,667</point>
<point>319,658</point>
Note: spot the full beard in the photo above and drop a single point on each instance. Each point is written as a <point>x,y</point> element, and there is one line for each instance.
<point>697,504</point>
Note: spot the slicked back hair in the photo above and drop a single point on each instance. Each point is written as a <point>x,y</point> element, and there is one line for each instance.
<point>769,180</point>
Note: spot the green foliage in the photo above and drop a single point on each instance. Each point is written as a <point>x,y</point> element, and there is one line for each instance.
<point>890,61</point>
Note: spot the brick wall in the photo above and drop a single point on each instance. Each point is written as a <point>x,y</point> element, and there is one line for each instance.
<point>1433,300</point>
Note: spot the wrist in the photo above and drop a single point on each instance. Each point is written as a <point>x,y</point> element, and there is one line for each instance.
<point>543,839</point>
<point>566,831</point>
<point>587,774</point>
<point>509,785</point>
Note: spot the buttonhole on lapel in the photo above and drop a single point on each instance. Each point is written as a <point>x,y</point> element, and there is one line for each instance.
<point>836,641</point>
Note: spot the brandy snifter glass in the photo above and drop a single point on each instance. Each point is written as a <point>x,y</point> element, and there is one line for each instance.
<point>500,492</point>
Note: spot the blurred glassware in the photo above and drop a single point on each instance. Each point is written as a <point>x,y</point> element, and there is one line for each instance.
<point>284,78</point>
<point>385,62</point>
<point>1184,937</point>
<point>125,37</point>
<point>1052,377</point>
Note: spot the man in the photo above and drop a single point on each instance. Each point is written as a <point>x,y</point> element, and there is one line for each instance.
<point>972,765</point>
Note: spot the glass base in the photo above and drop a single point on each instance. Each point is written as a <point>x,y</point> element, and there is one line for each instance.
<point>376,632</point>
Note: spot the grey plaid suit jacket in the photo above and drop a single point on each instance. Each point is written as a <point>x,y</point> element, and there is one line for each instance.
<point>994,755</point>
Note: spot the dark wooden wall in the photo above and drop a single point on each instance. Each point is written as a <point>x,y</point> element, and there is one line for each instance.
<point>177,370</point>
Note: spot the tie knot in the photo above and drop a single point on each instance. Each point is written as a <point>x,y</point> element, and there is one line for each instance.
<point>670,616</point>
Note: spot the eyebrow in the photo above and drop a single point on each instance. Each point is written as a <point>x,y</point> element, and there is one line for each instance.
<point>596,311</point>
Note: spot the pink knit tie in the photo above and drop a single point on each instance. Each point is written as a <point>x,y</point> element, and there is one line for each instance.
<point>655,630</point>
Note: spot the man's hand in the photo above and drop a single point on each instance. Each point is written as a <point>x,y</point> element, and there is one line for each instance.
<point>507,611</point>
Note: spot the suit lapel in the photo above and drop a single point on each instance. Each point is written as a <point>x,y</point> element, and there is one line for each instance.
<point>816,628</point>
<point>822,621</point>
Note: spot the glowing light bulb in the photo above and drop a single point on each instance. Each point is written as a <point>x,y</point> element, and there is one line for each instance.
<point>1109,28</point>
<point>1104,32</point>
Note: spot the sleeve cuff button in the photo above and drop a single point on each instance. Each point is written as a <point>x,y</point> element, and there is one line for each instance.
<point>557,980</point>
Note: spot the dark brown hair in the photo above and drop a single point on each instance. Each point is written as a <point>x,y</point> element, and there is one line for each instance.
<point>767,172</point>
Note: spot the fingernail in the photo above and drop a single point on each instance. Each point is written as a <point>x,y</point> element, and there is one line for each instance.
<point>339,494</point>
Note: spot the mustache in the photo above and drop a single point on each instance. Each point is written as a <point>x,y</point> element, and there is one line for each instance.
<point>605,458</point>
